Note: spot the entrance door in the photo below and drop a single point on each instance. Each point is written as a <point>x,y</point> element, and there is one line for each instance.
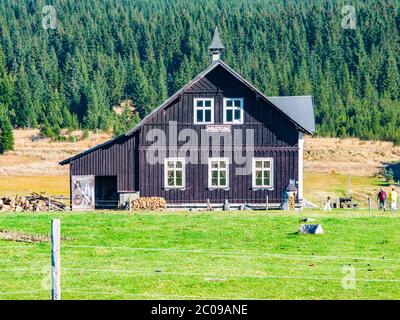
<point>106,192</point>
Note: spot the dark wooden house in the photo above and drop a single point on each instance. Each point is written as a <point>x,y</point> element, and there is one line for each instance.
<point>218,138</point>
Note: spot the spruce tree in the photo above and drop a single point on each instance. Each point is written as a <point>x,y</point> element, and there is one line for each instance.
<point>6,135</point>
<point>392,80</point>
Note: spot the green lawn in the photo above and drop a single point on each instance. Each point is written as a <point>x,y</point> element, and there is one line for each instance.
<point>222,255</point>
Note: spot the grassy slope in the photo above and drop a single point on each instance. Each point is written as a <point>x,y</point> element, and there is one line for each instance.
<point>318,186</point>
<point>226,245</point>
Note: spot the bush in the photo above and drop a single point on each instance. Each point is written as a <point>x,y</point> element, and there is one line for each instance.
<point>388,174</point>
<point>46,131</point>
<point>85,134</point>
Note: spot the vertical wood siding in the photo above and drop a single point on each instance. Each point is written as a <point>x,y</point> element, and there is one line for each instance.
<point>274,136</point>
<point>240,186</point>
<point>114,159</point>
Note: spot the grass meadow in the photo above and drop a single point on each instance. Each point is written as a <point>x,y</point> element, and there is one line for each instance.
<point>200,255</point>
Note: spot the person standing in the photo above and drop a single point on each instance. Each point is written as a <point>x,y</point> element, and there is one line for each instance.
<point>393,200</point>
<point>382,199</point>
<point>327,206</point>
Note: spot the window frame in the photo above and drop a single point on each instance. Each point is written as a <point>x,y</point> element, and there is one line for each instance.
<point>210,186</point>
<point>166,169</point>
<point>271,170</point>
<point>196,108</point>
<point>226,108</point>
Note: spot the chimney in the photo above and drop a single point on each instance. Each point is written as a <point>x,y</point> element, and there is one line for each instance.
<point>216,46</point>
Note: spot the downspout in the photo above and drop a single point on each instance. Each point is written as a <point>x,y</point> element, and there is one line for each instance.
<point>301,167</point>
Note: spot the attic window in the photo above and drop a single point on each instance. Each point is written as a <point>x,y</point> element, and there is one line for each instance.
<point>203,110</point>
<point>233,110</point>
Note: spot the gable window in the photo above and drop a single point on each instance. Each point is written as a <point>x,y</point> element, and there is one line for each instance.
<point>203,110</point>
<point>262,173</point>
<point>233,110</point>
<point>174,173</point>
<point>218,173</point>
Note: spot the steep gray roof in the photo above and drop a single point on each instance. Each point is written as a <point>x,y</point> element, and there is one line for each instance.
<point>216,43</point>
<point>299,108</point>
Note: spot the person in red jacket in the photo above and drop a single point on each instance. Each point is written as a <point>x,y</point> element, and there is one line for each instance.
<point>382,199</point>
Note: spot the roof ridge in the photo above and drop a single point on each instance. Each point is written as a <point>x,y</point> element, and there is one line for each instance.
<point>297,96</point>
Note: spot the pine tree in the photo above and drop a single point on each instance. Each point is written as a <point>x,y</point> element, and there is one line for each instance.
<point>138,88</point>
<point>392,79</point>
<point>161,84</point>
<point>24,109</point>
<point>6,83</point>
<point>98,113</point>
<point>6,135</point>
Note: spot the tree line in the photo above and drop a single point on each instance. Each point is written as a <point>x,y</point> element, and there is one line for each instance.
<point>105,51</point>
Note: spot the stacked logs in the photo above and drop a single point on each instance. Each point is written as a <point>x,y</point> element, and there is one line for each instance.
<point>149,203</point>
<point>32,202</point>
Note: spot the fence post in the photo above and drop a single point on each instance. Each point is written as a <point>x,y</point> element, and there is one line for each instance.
<point>369,204</point>
<point>266,203</point>
<point>55,260</point>
<point>348,186</point>
<point>49,206</point>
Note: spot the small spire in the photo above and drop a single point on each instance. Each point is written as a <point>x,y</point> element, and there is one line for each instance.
<point>216,46</point>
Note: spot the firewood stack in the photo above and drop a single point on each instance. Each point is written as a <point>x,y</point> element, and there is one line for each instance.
<point>148,203</point>
<point>32,202</point>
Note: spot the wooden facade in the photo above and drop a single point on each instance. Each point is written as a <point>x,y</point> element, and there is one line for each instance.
<point>276,136</point>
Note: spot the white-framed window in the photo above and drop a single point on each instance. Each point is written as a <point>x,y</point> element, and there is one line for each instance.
<point>203,110</point>
<point>233,110</point>
<point>174,173</point>
<point>263,173</point>
<point>218,173</point>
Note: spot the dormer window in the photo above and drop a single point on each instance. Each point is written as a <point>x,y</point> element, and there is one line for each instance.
<point>233,110</point>
<point>203,110</point>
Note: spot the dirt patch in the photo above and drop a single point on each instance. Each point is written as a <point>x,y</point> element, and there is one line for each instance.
<point>348,156</point>
<point>27,237</point>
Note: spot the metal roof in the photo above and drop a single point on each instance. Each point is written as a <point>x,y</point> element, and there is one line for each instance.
<point>216,43</point>
<point>299,108</point>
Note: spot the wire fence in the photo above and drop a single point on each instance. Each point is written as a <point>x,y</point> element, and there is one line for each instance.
<point>183,253</point>
<point>235,203</point>
<point>184,260</point>
<point>52,203</point>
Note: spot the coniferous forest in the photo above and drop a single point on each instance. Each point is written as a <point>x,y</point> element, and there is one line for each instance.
<point>106,51</point>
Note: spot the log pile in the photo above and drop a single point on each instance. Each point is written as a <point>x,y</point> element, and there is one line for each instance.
<point>148,203</point>
<point>32,202</point>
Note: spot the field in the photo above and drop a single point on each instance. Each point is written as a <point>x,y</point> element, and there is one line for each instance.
<point>225,255</point>
<point>33,165</point>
